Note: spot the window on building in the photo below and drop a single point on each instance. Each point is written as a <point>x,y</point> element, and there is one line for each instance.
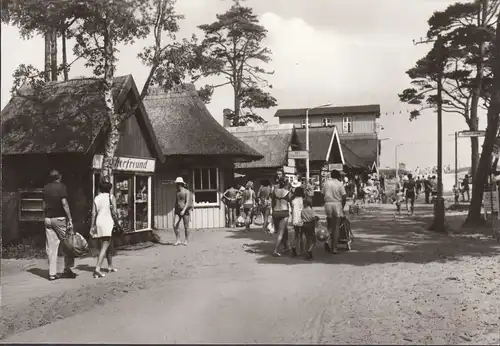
<point>327,122</point>
<point>304,122</point>
<point>347,125</point>
<point>206,185</point>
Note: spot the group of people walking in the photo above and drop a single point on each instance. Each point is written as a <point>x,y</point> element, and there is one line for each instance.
<point>284,203</point>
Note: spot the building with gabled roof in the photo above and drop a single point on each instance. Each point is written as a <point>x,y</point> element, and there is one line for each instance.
<point>356,125</point>
<point>197,148</point>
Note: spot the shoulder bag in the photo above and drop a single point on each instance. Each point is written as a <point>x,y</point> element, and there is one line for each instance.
<point>117,229</point>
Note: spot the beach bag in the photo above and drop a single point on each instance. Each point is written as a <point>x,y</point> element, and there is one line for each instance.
<point>258,219</point>
<point>75,245</point>
<point>117,229</point>
<point>321,234</point>
<point>270,226</point>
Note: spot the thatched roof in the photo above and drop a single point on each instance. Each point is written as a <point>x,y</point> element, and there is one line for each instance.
<point>360,150</point>
<point>343,110</point>
<point>64,117</point>
<point>184,126</point>
<point>323,142</point>
<point>272,141</point>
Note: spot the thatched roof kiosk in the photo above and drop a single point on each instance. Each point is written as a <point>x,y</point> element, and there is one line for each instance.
<point>198,149</point>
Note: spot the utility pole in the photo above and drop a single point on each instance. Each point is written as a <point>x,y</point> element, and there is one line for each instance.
<point>456,159</point>
<point>396,163</point>
<point>438,223</point>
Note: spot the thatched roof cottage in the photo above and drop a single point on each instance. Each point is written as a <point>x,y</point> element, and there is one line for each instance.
<point>197,148</point>
<point>63,125</point>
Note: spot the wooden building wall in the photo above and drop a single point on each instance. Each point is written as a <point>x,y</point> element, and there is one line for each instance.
<point>362,123</point>
<point>30,171</point>
<point>165,191</point>
<point>132,142</point>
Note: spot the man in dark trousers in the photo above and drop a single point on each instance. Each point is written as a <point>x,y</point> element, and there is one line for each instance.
<point>465,188</point>
<point>58,224</point>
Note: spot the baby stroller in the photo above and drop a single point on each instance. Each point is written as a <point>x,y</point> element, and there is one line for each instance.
<point>433,196</point>
<point>346,236</point>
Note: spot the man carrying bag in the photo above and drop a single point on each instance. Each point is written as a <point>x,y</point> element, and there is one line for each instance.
<point>58,225</point>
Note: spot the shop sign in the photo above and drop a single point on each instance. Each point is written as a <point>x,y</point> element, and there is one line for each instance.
<point>127,164</point>
<point>471,134</point>
<point>288,170</point>
<point>298,155</point>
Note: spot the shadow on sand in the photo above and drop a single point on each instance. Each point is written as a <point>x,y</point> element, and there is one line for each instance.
<point>380,238</point>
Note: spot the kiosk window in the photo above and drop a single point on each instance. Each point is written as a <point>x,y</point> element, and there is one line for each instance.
<point>206,186</point>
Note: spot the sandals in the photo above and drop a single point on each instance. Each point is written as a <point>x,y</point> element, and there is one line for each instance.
<point>98,275</point>
<point>276,254</point>
<point>53,277</point>
<point>112,270</point>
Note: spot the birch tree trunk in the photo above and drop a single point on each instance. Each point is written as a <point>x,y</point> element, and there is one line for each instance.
<point>114,120</point>
<point>53,54</point>
<point>47,66</point>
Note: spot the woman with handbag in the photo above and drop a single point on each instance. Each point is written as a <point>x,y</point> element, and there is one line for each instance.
<point>104,223</point>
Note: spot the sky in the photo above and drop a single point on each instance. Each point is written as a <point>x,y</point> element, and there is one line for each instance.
<point>343,52</point>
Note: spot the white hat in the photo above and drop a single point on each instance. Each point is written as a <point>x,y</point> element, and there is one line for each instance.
<point>179,180</point>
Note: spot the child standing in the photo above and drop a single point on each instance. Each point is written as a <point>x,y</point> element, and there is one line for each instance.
<point>297,206</point>
<point>309,219</point>
<point>398,199</point>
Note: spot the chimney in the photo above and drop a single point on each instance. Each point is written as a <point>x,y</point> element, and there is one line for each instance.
<point>225,121</point>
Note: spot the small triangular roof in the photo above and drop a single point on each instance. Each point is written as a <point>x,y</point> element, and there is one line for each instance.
<point>323,142</point>
<point>67,117</point>
<point>360,150</point>
<point>185,127</point>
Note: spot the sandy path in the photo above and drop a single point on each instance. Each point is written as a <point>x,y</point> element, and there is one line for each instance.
<point>400,285</point>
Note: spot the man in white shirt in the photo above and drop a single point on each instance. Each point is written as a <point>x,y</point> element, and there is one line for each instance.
<point>335,200</point>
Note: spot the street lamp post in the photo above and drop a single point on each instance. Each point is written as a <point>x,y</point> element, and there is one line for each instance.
<point>307,138</point>
<point>396,159</point>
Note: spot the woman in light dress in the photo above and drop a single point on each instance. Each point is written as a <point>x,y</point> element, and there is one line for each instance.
<point>103,220</point>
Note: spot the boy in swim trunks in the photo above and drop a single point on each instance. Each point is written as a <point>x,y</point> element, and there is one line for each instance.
<point>230,200</point>
<point>183,206</point>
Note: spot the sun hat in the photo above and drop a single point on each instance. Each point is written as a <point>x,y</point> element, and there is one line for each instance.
<point>179,180</point>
